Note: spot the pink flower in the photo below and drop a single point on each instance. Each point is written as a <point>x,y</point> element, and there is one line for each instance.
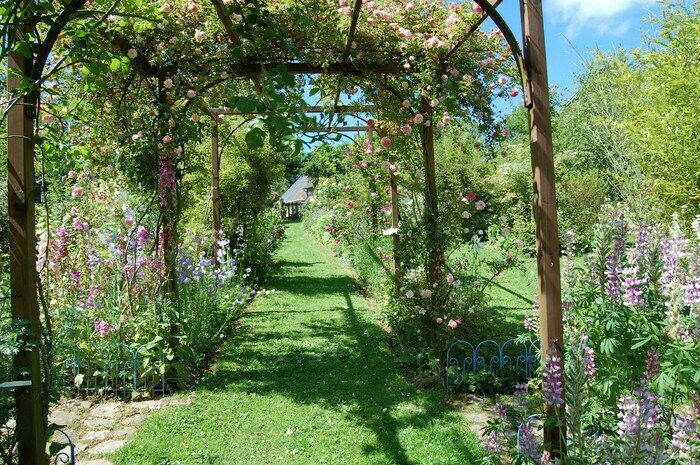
<point>393,168</point>
<point>346,10</point>
<point>74,211</point>
<point>502,80</point>
<point>46,117</point>
<point>471,196</point>
<point>77,191</point>
<point>166,8</point>
<point>476,8</point>
<point>198,35</point>
<point>371,122</point>
<point>385,141</point>
<point>192,7</point>
<point>426,293</point>
<point>418,118</point>
<point>168,83</point>
<point>438,320</point>
<point>72,174</point>
<point>191,93</point>
<point>514,92</point>
<point>406,128</point>
<point>453,324</point>
<point>167,139</point>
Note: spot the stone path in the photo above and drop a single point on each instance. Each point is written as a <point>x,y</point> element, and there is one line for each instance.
<point>99,427</point>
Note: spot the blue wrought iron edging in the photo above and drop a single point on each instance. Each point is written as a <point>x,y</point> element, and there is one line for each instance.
<point>65,457</point>
<point>472,360</point>
<point>110,365</point>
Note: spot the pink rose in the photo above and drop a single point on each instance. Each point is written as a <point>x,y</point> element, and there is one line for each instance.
<point>77,191</point>
<point>385,141</point>
<point>167,139</point>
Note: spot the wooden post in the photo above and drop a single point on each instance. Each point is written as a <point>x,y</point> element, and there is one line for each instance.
<point>215,197</point>
<point>435,253</point>
<point>545,204</point>
<point>395,226</point>
<point>23,276</point>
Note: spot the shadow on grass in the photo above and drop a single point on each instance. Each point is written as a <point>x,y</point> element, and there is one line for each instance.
<point>352,371</point>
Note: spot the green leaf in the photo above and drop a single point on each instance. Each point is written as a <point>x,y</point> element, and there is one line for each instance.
<point>255,138</point>
<point>246,105</point>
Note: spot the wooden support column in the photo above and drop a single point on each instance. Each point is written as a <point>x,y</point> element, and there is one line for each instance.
<point>23,276</point>
<point>395,226</point>
<point>435,252</point>
<point>545,205</point>
<point>215,196</point>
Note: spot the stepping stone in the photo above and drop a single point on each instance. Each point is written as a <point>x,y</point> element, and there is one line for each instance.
<point>147,404</point>
<point>99,423</point>
<point>93,436</point>
<point>133,420</point>
<point>123,432</point>
<point>106,410</point>
<point>108,447</point>
<point>62,417</point>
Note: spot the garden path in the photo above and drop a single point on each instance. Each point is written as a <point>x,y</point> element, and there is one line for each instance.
<point>306,379</point>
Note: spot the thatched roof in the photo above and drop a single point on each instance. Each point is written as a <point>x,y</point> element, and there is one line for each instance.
<point>297,192</point>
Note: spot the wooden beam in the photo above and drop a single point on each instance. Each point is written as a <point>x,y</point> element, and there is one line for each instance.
<point>30,427</point>
<point>472,29</point>
<point>226,21</point>
<point>340,129</point>
<point>215,194</point>
<point>545,207</point>
<point>307,109</point>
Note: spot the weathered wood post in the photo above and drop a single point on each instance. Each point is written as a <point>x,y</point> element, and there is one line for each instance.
<point>545,204</point>
<point>434,244</point>
<point>395,226</point>
<point>23,276</point>
<point>215,196</point>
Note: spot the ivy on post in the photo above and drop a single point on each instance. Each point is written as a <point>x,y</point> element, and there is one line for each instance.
<point>31,428</point>
<point>545,208</point>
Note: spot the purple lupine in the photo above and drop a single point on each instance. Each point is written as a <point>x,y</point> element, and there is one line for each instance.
<point>612,261</point>
<point>552,385</point>
<point>527,442</point>
<point>589,361</point>
<point>640,428</point>
<point>653,363</point>
<point>143,237</point>
<point>103,328</point>
<point>632,284</point>
<point>496,443</point>
<point>521,396</point>
<point>685,442</point>
<point>167,185</point>
<point>531,322</point>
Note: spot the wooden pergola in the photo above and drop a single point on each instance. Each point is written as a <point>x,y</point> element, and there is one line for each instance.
<point>531,62</point>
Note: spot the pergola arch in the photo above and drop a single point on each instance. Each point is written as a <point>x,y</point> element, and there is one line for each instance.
<point>531,63</point>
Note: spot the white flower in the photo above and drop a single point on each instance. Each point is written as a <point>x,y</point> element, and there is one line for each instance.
<point>390,232</point>
<point>466,215</point>
<point>132,53</point>
<point>409,294</point>
<point>480,204</point>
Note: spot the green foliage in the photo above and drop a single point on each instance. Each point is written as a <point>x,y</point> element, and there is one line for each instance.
<point>664,122</point>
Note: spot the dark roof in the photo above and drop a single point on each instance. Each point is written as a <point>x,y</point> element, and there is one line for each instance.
<point>297,192</point>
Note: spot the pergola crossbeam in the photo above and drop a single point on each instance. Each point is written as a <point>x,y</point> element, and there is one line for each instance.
<point>307,109</point>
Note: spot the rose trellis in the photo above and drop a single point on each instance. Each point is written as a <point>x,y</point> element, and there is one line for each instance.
<point>420,64</point>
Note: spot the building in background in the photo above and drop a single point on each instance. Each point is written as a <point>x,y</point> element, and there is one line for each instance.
<point>295,197</point>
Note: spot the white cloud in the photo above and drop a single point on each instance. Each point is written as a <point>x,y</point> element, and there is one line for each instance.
<point>601,15</point>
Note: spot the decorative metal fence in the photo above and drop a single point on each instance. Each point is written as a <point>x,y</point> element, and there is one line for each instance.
<point>120,372</point>
<point>464,358</point>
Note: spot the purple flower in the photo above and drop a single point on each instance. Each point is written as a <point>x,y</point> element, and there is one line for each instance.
<point>143,236</point>
<point>589,361</point>
<point>552,383</point>
<point>640,429</point>
<point>652,365</point>
<point>496,443</point>
<point>527,442</point>
<point>167,184</point>
<point>103,328</point>
<point>685,443</point>
<point>612,262</point>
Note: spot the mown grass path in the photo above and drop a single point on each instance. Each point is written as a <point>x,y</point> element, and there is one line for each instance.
<point>306,379</point>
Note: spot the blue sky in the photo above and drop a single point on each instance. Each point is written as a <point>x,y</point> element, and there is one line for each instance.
<point>574,28</point>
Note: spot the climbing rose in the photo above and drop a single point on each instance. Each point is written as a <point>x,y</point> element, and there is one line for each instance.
<point>192,7</point>
<point>471,196</point>
<point>191,93</point>
<point>166,8</point>
<point>370,122</point>
<point>514,92</point>
<point>168,83</point>
<point>167,139</point>
<point>426,293</point>
<point>132,53</point>
<point>77,191</point>
<point>198,35</point>
<point>385,141</point>
<point>418,118</point>
<point>502,80</point>
<point>477,8</point>
<point>406,128</point>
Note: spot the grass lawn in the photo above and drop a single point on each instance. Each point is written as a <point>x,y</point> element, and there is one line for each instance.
<point>307,379</point>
